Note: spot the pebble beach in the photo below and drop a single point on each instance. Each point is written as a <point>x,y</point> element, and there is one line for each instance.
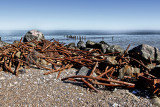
<point>33,89</point>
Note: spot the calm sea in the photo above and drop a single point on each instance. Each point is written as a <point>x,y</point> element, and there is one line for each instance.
<point>122,39</point>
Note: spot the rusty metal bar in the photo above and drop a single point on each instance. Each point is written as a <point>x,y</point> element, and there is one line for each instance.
<point>101,79</point>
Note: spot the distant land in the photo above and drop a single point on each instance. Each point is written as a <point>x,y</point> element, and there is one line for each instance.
<point>83,32</point>
<point>100,32</point>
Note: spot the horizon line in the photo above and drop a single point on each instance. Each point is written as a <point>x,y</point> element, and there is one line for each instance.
<point>81,29</point>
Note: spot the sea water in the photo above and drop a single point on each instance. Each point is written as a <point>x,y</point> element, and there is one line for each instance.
<point>112,39</point>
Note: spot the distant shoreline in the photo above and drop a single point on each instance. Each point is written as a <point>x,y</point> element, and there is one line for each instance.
<point>87,32</point>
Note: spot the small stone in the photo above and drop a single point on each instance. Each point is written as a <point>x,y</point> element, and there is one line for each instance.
<point>43,62</point>
<point>18,54</point>
<point>96,54</point>
<point>2,78</point>
<point>115,105</point>
<point>136,92</point>
<point>81,94</point>
<point>16,82</point>
<point>22,70</point>
<point>114,90</point>
<point>11,85</point>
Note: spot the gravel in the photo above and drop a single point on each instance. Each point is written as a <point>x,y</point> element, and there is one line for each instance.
<point>35,89</point>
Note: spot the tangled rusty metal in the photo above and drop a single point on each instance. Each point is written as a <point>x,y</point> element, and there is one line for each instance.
<point>27,54</point>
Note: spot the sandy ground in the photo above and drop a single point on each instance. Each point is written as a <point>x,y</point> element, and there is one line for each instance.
<point>35,89</point>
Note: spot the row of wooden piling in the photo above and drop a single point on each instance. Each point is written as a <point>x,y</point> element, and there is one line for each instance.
<point>76,37</point>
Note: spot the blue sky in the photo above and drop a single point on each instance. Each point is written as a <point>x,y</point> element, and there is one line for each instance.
<point>80,14</point>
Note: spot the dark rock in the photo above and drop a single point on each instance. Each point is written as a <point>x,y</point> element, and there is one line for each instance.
<point>81,45</point>
<point>33,35</point>
<point>147,52</point>
<point>90,44</point>
<point>103,42</point>
<point>102,46</point>
<point>128,71</point>
<point>114,48</point>
<point>85,71</point>
<point>155,71</point>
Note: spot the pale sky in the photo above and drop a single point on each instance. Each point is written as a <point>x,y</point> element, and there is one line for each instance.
<point>80,14</point>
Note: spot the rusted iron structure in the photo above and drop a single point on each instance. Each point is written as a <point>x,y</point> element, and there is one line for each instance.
<point>27,54</point>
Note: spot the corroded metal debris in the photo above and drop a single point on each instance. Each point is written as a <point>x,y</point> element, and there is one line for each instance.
<point>111,69</point>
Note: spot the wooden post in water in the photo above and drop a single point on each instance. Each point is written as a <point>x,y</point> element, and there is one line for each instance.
<point>112,38</point>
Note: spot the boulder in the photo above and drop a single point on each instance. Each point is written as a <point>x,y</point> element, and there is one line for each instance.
<point>155,71</point>
<point>16,42</point>
<point>81,45</point>
<point>34,55</point>
<point>114,48</point>
<point>156,101</point>
<point>71,45</point>
<point>33,35</point>
<point>102,45</point>
<point>151,66</point>
<point>3,44</point>
<point>147,52</point>
<point>103,42</point>
<point>111,60</point>
<point>90,44</point>
<point>128,71</point>
<point>85,71</point>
